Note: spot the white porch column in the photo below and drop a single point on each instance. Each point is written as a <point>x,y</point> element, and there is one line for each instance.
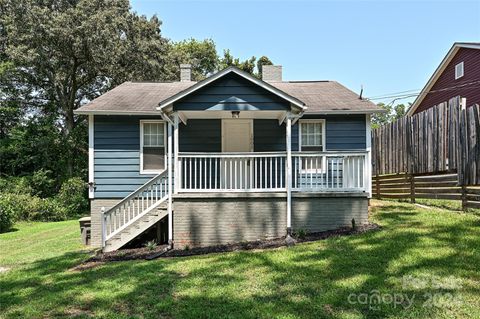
<point>288,173</point>
<point>91,157</point>
<point>170,188</point>
<point>368,159</point>
<point>176,165</point>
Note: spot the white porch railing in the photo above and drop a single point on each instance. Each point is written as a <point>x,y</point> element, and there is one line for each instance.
<point>265,172</point>
<point>329,171</point>
<point>137,204</point>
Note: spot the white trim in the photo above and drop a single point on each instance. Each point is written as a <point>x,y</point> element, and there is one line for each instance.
<point>346,112</point>
<point>299,104</point>
<point>151,171</point>
<point>438,72</point>
<point>324,142</point>
<point>177,172</point>
<point>249,121</point>
<point>170,185</point>
<point>368,160</point>
<point>114,112</point>
<point>288,171</point>
<point>91,157</point>
<point>458,67</point>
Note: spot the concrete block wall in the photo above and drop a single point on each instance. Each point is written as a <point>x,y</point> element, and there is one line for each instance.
<point>213,221</point>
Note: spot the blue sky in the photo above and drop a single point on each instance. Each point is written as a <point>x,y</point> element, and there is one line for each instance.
<point>387,46</point>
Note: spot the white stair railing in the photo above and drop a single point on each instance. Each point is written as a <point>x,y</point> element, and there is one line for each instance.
<point>146,198</point>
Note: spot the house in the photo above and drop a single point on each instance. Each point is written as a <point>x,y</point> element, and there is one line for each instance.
<point>457,75</point>
<point>228,159</point>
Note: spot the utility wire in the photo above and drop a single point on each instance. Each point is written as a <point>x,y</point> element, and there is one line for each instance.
<point>398,95</point>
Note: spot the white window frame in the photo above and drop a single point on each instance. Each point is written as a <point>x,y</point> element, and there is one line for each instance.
<point>458,67</point>
<point>152,171</point>
<point>324,146</point>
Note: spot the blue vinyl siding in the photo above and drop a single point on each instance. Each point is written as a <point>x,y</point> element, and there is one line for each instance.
<point>200,136</point>
<point>117,145</point>
<point>117,156</point>
<point>231,93</point>
<point>343,132</point>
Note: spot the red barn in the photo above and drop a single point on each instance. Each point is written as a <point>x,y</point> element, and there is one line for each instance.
<point>457,75</point>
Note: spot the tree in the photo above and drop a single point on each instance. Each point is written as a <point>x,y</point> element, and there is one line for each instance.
<point>201,55</point>
<point>392,114</point>
<point>246,65</point>
<point>68,52</point>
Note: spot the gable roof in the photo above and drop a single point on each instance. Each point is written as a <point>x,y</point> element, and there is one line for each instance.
<point>143,98</point>
<point>438,72</point>
<point>294,101</point>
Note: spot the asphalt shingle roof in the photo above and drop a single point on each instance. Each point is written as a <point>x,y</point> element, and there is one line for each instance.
<point>143,97</point>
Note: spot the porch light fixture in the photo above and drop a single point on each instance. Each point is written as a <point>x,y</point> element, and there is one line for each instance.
<point>235,114</point>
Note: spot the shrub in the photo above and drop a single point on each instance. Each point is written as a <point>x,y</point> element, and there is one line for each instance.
<point>41,183</point>
<point>301,234</point>
<point>16,185</point>
<point>151,245</point>
<point>48,209</point>
<point>72,196</point>
<point>7,213</point>
<point>20,205</point>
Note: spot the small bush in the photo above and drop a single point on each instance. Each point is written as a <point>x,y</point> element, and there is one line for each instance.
<point>151,245</point>
<point>72,196</point>
<point>7,213</point>
<point>49,209</point>
<point>302,233</point>
<point>42,184</point>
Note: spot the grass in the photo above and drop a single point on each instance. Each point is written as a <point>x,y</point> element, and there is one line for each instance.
<point>312,280</point>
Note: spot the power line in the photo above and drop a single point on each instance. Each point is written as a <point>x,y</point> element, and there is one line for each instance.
<point>399,96</point>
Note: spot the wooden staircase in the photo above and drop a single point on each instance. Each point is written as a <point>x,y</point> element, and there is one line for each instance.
<point>135,213</point>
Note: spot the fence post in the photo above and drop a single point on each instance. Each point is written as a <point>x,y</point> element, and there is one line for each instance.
<point>377,186</point>
<point>411,177</point>
<point>464,198</point>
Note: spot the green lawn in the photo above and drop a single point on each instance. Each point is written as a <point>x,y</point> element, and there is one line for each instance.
<point>437,248</point>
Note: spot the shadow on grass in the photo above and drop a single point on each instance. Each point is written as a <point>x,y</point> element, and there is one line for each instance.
<point>311,280</point>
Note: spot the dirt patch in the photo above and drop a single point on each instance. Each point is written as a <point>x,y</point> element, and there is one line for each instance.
<point>161,251</point>
<point>4,269</point>
<point>128,254</point>
<point>269,244</point>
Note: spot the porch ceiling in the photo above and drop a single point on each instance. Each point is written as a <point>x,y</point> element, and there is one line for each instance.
<point>272,115</point>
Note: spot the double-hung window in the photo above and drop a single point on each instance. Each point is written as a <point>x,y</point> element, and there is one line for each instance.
<point>312,139</point>
<point>312,135</point>
<point>152,146</point>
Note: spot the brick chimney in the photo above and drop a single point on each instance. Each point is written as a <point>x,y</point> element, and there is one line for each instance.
<point>272,73</point>
<point>185,72</point>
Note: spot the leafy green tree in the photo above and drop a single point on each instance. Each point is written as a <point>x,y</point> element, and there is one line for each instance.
<point>263,60</point>
<point>201,55</point>
<point>247,65</point>
<point>68,52</point>
<point>392,114</point>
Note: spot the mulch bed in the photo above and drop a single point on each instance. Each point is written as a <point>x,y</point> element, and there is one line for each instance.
<point>162,252</point>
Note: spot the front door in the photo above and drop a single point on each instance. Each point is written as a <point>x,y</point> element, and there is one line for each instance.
<point>237,137</point>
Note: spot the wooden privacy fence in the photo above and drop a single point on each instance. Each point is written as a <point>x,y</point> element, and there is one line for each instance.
<point>429,186</point>
<point>443,141</point>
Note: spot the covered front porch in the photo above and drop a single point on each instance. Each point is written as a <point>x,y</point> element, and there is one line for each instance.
<point>245,164</point>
